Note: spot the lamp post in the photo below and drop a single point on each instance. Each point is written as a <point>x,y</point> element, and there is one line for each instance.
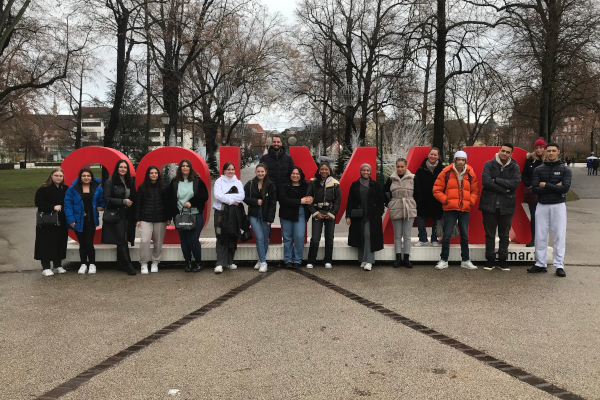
<point>381,122</point>
<point>165,119</point>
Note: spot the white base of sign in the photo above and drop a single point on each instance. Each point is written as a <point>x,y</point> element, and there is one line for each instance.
<point>341,252</point>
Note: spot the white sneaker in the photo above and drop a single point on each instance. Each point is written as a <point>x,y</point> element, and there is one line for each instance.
<point>232,266</point>
<point>144,269</point>
<point>362,264</point>
<point>218,269</point>
<point>309,266</point>
<point>257,265</point>
<point>47,272</point>
<point>421,244</point>
<point>442,264</point>
<point>368,266</point>
<point>154,267</point>
<point>468,265</point>
<point>263,267</point>
<point>328,265</point>
<point>92,269</point>
<point>59,270</point>
<point>82,269</point>
<point>435,244</point>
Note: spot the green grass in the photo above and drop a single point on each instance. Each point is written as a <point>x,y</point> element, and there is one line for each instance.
<point>571,196</point>
<point>18,187</point>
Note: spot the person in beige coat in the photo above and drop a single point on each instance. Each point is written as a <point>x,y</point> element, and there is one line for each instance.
<point>401,198</point>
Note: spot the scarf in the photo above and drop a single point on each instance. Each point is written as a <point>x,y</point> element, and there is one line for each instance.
<point>460,175</point>
<point>431,167</point>
<point>364,181</point>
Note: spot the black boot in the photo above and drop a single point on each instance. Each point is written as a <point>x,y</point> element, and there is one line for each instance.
<point>188,266</point>
<point>407,262</point>
<point>530,244</point>
<point>398,262</point>
<point>196,266</point>
<point>129,269</point>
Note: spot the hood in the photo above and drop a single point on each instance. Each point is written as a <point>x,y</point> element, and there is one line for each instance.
<point>502,166</point>
<point>329,183</point>
<point>232,180</point>
<point>467,166</point>
<point>273,154</point>
<point>407,175</point>
<point>439,167</point>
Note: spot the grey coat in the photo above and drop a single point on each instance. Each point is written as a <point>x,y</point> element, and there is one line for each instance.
<point>499,187</point>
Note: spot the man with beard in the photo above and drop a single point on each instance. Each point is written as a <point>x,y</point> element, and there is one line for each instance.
<point>280,163</point>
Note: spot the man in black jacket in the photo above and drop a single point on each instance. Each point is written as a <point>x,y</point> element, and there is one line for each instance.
<point>500,178</point>
<point>551,182</point>
<point>279,162</point>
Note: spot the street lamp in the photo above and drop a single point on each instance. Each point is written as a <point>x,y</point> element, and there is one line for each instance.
<point>165,119</point>
<point>381,122</point>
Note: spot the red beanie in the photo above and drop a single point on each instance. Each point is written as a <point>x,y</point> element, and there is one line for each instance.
<point>540,142</point>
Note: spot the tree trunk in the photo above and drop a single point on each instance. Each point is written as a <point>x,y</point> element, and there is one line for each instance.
<point>148,93</point>
<point>424,108</point>
<point>440,78</point>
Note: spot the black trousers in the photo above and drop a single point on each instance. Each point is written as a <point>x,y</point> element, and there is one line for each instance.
<point>86,243</point>
<point>492,222</point>
<point>46,264</point>
<point>317,229</point>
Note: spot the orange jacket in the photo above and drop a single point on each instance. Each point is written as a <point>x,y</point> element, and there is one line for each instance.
<point>450,195</point>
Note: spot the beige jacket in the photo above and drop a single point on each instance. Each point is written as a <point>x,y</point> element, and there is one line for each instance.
<point>402,205</point>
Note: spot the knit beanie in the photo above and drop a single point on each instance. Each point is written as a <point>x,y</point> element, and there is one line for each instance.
<point>460,153</point>
<point>540,142</point>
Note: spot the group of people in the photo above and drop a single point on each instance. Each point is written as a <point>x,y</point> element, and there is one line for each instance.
<point>592,165</point>
<point>441,193</point>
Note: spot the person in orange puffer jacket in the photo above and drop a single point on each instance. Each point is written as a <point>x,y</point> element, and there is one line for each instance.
<point>456,187</point>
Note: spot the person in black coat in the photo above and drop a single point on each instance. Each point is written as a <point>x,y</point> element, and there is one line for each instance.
<point>500,179</point>
<point>261,198</point>
<point>278,161</point>
<point>293,215</point>
<point>363,213</point>
<point>51,241</point>
<point>151,217</point>
<point>188,193</point>
<point>533,161</point>
<point>119,193</point>
<point>428,206</point>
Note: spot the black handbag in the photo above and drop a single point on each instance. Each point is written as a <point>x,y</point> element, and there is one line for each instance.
<point>111,216</point>
<point>357,212</point>
<point>47,218</point>
<point>185,222</point>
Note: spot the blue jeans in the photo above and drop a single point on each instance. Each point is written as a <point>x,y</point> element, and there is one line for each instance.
<point>450,219</point>
<point>532,208</point>
<point>262,234</point>
<point>190,240</point>
<point>423,230</point>
<point>293,232</point>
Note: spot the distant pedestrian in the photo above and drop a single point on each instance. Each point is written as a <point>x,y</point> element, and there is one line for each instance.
<point>51,240</point>
<point>327,197</point>
<point>457,189</point>
<point>534,160</point>
<point>427,205</point>
<point>364,212</point>
<point>83,201</point>
<point>590,165</point>
<point>551,182</point>
<point>595,165</point>
<point>261,198</point>
<point>500,179</point>
<point>402,195</point>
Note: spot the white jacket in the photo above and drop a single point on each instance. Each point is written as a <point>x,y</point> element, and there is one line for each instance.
<point>222,186</point>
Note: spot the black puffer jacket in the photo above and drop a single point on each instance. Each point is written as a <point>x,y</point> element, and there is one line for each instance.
<point>269,203</point>
<point>552,173</point>
<point>289,201</point>
<point>326,198</point>
<point>427,205</point>
<point>150,206</point>
<point>530,164</point>
<point>280,165</point>
<point>198,201</point>
<point>499,187</point>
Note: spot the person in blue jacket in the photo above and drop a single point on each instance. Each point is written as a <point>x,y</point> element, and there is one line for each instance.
<point>83,200</point>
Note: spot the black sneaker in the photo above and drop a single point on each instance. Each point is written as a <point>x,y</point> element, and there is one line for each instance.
<point>561,272</point>
<point>489,265</point>
<point>503,265</point>
<point>188,266</point>
<point>289,265</point>
<point>296,265</point>
<point>196,267</point>
<point>536,269</point>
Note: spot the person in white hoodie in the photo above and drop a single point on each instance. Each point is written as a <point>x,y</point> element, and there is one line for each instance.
<point>223,195</point>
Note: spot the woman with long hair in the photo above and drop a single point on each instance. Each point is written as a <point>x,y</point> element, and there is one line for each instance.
<point>261,198</point>
<point>403,192</point>
<point>228,191</point>
<point>327,197</point>
<point>363,214</point>
<point>534,160</point>
<point>187,194</point>
<point>293,214</point>
<point>51,241</point>
<point>83,201</point>
<point>151,217</point>
<point>119,193</point>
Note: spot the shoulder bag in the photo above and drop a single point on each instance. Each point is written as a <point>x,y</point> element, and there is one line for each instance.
<point>111,216</point>
<point>44,218</point>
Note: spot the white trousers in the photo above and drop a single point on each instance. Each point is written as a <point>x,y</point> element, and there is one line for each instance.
<point>550,218</point>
